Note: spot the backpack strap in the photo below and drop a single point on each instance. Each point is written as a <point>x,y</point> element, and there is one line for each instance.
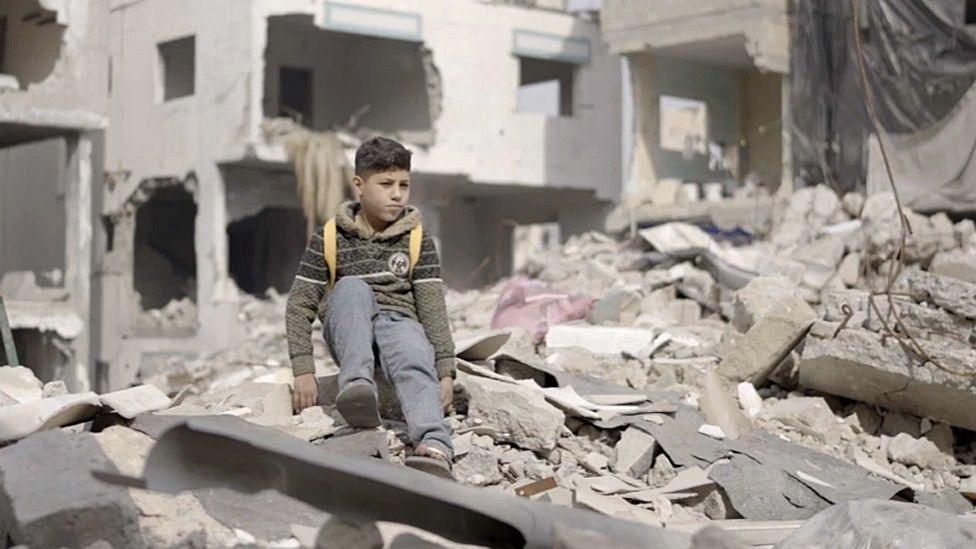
<point>416,238</point>
<point>329,245</point>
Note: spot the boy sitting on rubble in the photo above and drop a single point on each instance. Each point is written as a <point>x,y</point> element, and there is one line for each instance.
<point>372,275</point>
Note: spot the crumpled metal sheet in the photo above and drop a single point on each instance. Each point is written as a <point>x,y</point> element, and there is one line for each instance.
<point>765,477</point>
<point>212,451</point>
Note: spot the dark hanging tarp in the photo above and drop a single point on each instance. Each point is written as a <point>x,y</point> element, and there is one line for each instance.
<point>920,61</point>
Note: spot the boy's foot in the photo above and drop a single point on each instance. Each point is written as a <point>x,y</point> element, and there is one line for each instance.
<point>430,459</point>
<point>358,405</point>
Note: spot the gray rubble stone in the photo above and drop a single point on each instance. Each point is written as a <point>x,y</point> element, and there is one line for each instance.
<point>479,468</point>
<point>941,435</point>
<point>857,365</point>
<point>875,523</point>
<point>617,305</point>
<point>48,497</point>
<point>522,415</point>
<point>55,388</point>
<point>958,264</point>
<point>634,454</point>
<point>909,450</point>
<point>868,419</point>
<point>768,341</point>
<point>808,415</point>
<point>895,423</point>
<point>758,297</point>
<point>949,293</point>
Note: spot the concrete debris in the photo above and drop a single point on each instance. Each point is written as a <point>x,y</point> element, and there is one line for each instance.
<point>55,388</point>
<point>634,454</point>
<point>131,402</point>
<point>873,523</point>
<point>683,381</point>
<point>599,340</point>
<point>19,420</point>
<point>906,449</point>
<point>768,341</point>
<point>521,416</point>
<point>50,498</point>
<point>19,384</point>
<point>857,364</point>
<point>759,297</point>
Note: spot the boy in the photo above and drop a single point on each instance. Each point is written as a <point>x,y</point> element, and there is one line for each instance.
<point>380,309</point>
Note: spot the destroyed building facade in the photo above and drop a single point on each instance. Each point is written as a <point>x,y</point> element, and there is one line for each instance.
<point>709,87</point>
<point>175,194</point>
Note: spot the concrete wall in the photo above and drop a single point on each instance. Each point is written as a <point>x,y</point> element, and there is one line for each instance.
<point>760,28</point>
<point>479,132</point>
<point>62,65</point>
<point>719,87</point>
<point>33,215</point>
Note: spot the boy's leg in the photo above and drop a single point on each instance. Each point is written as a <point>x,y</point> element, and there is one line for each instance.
<point>408,360</point>
<point>350,313</point>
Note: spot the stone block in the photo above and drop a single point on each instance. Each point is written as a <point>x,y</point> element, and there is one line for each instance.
<point>908,450</point>
<point>949,293</point>
<point>957,264</point>
<point>48,497</point>
<point>768,341</point>
<point>634,453</point>
<point>519,414</point>
<point>758,297</point>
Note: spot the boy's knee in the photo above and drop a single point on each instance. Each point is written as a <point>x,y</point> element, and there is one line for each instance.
<point>352,287</point>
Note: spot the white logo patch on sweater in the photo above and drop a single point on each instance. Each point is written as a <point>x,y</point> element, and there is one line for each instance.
<point>399,264</point>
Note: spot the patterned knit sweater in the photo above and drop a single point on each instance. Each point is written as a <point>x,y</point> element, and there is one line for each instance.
<point>373,258</point>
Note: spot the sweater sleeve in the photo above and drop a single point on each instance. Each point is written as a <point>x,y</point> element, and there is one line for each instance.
<point>428,292</point>
<point>304,301</point>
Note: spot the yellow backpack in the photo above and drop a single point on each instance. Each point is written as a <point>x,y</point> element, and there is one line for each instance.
<point>331,253</point>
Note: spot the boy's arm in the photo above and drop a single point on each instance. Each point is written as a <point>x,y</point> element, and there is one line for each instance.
<point>428,292</point>
<point>304,299</point>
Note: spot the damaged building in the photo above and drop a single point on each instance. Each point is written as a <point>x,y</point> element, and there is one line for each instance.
<point>53,119</point>
<point>200,123</point>
<point>708,87</point>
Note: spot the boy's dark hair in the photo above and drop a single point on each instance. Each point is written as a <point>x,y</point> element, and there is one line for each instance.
<point>380,154</point>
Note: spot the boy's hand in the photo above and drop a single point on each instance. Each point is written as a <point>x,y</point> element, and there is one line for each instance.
<point>306,393</point>
<point>447,392</point>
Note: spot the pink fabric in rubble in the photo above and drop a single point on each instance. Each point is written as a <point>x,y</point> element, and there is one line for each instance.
<point>533,305</point>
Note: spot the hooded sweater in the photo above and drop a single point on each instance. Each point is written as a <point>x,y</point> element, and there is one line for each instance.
<point>374,258</point>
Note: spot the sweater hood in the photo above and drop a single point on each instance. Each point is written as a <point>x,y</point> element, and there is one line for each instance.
<point>346,220</point>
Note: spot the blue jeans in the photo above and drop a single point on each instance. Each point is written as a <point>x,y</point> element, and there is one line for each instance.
<point>359,335</point>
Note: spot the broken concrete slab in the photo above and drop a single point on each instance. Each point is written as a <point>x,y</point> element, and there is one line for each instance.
<point>808,415</point>
<point>599,340</point>
<point>949,293</point>
<point>922,452</point>
<point>676,236</point>
<point>768,341</point>
<point>758,297</point>
<point>481,347</point>
<point>719,409</point>
<point>856,364</point>
<point>19,420</point>
<point>523,415</point>
<point>876,523</point>
<point>20,384</point>
<point>133,401</point>
<point>634,453</point>
<point>201,453</point>
<point>164,519</point>
<point>49,499</point>
<point>958,264</point>
<point>478,468</point>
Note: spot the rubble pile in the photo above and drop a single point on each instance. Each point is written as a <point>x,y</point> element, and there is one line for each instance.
<point>672,381</point>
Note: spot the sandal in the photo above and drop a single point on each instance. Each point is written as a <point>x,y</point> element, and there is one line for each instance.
<point>430,459</point>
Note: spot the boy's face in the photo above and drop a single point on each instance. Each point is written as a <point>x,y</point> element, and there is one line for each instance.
<point>384,194</point>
